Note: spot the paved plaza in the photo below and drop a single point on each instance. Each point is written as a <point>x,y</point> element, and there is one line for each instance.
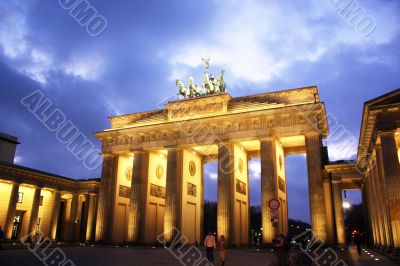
<point>100,256</point>
<point>369,257</point>
<point>106,255</point>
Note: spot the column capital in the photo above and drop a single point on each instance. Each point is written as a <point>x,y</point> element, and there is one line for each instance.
<point>38,186</point>
<point>388,133</point>
<point>109,154</point>
<point>377,146</point>
<point>313,134</point>
<point>268,139</point>
<point>173,148</point>
<point>224,143</point>
<point>336,180</point>
<point>14,182</point>
<point>138,152</point>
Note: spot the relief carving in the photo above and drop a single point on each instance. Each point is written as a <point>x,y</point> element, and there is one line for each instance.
<point>192,190</point>
<point>211,129</point>
<point>241,187</point>
<point>157,191</point>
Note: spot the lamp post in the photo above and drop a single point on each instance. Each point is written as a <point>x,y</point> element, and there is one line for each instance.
<point>346,204</point>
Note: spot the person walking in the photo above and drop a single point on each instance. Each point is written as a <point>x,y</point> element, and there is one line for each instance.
<point>358,239</point>
<point>222,248</point>
<point>282,252</point>
<point>1,238</point>
<point>209,243</point>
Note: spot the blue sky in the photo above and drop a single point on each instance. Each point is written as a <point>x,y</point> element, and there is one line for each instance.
<point>132,66</point>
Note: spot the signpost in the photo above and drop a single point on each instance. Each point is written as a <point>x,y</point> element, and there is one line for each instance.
<point>274,205</point>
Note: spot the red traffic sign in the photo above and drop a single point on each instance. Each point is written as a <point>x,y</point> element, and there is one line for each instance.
<point>274,204</point>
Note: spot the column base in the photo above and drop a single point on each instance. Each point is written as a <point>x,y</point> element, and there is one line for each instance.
<point>395,253</point>
<point>388,250</point>
<point>341,246</point>
<point>382,249</point>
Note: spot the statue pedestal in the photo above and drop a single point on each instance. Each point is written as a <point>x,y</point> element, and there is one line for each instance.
<point>198,107</point>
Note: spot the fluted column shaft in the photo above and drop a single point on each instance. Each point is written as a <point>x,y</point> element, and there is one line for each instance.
<point>269,187</point>
<point>338,205</point>
<point>173,197</point>
<point>366,216</point>
<point>73,217</point>
<point>137,206</point>
<point>34,211</point>
<point>225,191</point>
<point>106,201</point>
<point>372,208</point>
<point>379,222</point>
<point>391,169</point>
<point>55,214</point>
<point>202,201</point>
<point>91,215</point>
<point>378,200</point>
<point>12,206</point>
<point>384,202</point>
<point>315,186</point>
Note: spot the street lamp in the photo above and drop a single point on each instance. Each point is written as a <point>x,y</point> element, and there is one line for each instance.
<point>346,204</point>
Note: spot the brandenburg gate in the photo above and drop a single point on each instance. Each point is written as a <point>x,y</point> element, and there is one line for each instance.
<point>152,181</point>
<point>152,175</point>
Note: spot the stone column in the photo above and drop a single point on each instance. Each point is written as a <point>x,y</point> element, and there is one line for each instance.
<point>366,216</point>
<point>315,186</point>
<point>202,202</point>
<point>73,214</point>
<point>338,205</point>
<point>138,198</point>
<point>106,200</point>
<point>91,215</point>
<point>34,211</point>
<point>173,197</point>
<point>12,207</point>
<point>269,186</point>
<point>55,214</point>
<point>225,191</point>
<point>391,169</point>
<point>378,225</point>
<point>371,208</point>
<point>82,226</point>
<point>329,206</point>
<point>383,189</point>
<point>379,204</point>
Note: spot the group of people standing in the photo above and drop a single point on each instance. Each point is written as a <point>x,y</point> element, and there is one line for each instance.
<point>282,249</point>
<point>210,243</point>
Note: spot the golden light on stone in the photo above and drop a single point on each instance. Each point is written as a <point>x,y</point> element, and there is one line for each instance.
<point>160,187</point>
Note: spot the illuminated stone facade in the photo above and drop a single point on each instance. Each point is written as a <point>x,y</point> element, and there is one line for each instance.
<point>33,201</point>
<point>165,151</point>
<point>152,174</point>
<point>376,172</point>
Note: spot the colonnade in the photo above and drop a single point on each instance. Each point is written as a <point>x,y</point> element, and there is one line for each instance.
<point>47,202</point>
<point>382,191</point>
<point>233,193</point>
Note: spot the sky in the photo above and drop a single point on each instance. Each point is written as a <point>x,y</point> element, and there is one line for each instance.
<point>131,64</point>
